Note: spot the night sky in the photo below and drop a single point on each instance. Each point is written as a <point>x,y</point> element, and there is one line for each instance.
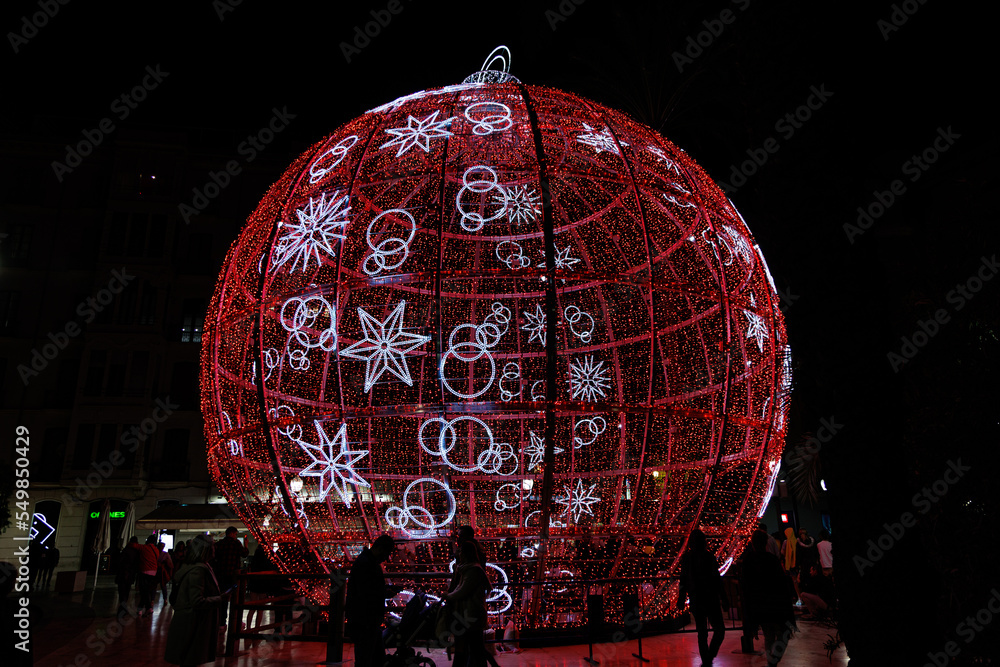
<point>888,92</point>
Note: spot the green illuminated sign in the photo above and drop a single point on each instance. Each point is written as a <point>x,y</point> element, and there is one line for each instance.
<point>114,515</point>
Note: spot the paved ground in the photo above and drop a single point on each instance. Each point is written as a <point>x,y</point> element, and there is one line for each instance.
<point>84,624</point>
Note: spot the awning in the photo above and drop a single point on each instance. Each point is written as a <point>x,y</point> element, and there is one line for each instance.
<point>189,517</point>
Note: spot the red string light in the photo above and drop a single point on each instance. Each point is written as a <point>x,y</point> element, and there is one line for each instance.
<point>380,346</point>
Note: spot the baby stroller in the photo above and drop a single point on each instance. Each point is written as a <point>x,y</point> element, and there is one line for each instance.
<point>417,622</point>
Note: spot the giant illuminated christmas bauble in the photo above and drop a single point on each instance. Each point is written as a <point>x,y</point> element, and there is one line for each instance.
<point>499,305</point>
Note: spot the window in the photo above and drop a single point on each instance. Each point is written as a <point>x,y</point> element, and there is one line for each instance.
<point>8,310</point>
<point>174,462</point>
<point>192,320</point>
<point>51,463</point>
<point>138,228</point>
<point>106,441</point>
<point>157,235</point>
<point>135,305</point>
<point>199,253</point>
<point>117,233</point>
<point>135,234</point>
<point>46,520</point>
<point>125,312</point>
<point>138,373</point>
<point>147,304</point>
<point>65,389</point>
<point>16,244</point>
<point>94,384</point>
<point>130,446</point>
<point>184,385</point>
<point>117,373</point>
<point>84,447</point>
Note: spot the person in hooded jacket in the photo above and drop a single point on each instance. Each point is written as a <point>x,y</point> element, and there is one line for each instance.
<point>768,597</point>
<point>468,602</point>
<point>194,629</point>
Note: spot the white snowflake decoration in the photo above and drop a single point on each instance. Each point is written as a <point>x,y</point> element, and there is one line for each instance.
<point>588,380</point>
<point>335,472</point>
<point>384,346</point>
<point>578,500</point>
<point>535,324</point>
<point>756,328</point>
<point>319,224</point>
<point>738,243</point>
<point>601,141</point>
<point>535,451</point>
<point>522,204</point>
<point>658,152</point>
<point>679,202</point>
<point>418,133</point>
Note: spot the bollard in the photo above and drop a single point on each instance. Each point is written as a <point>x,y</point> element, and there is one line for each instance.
<point>235,618</point>
<point>335,624</point>
<point>595,622</point>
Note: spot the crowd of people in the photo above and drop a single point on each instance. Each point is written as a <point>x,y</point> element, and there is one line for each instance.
<point>196,577</point>
<point>777,573</point>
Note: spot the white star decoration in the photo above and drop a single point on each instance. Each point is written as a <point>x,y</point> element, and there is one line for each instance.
<point>334,472</point>
<point>418,133</point>
<point>588,380</point>
<point>578,500</point>
<point>756,328</point>
<point>563,259</point>
<point>522,204</point>
<point>384,346</point>
<point>602,141</point>
<point>318,225</point>
<point>535,324</point>
<point>535,451</point>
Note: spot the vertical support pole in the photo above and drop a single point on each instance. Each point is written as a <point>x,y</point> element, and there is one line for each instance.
<point>235,614</point>
<point>638,617</point>
<point>335,625</point>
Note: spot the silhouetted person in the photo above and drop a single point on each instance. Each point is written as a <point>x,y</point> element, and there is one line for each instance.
<point>177,555</point>
<point>816,591</point>
<point>700,580</point>
<point>365,603</point>
<point>788,550</point>
<point>768,597</point>
<point>825,550</point>
<point>146,574</point>
<point>36,561</point>
<point>128,567</point>
<point>467,534</point>
<point>229,553</point>
<point>468,605</point>
<point>49,565</point>
<point>773,546</point>
<point>805,551</point>
<point>194,627</point>
<point>164,570</point>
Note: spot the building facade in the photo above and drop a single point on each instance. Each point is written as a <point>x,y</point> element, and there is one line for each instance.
<point>105,277</point>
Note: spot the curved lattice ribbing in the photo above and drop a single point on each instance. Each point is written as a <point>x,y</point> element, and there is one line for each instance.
<point>505,306</point>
